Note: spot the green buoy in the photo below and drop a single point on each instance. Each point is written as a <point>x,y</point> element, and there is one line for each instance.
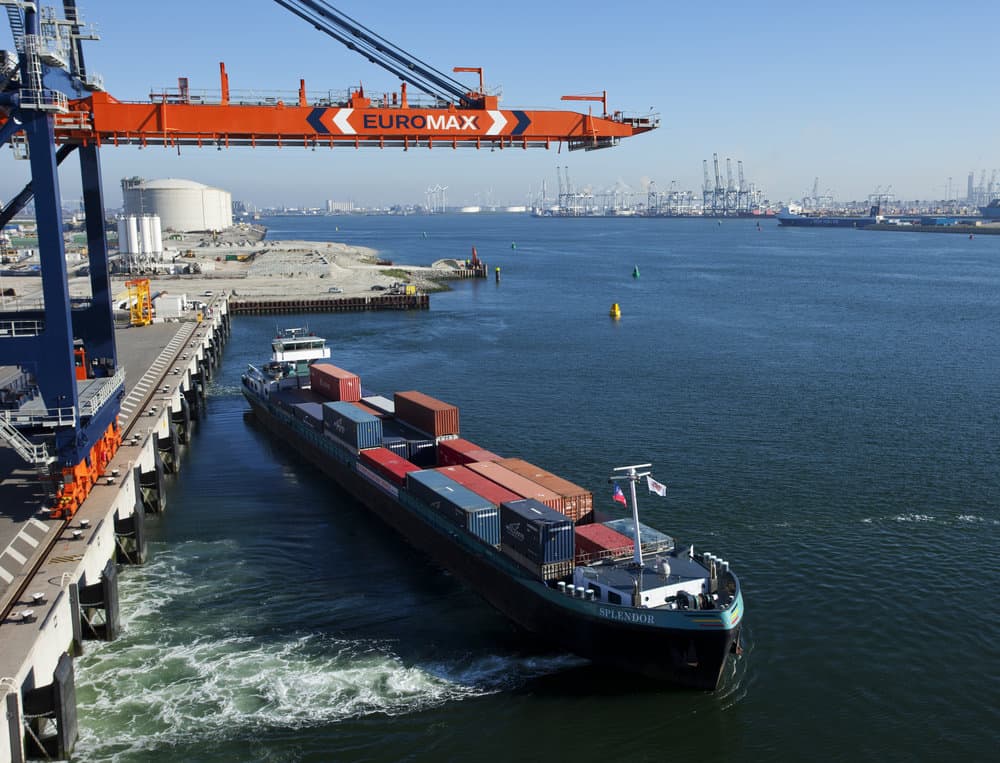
<point>513,245</point>
<point>635,272</point>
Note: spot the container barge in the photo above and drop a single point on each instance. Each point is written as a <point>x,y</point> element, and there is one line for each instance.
<point>618,593</point>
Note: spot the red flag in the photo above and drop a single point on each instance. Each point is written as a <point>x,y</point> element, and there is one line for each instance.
<point>619,496</point>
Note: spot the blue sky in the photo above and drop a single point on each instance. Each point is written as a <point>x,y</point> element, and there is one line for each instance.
<point>861,95</point>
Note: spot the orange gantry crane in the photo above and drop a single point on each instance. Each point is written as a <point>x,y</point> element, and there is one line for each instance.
<point>48,100</point>
<point>453,116</point>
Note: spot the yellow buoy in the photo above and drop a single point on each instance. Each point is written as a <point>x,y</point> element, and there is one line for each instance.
<point>615,311</point>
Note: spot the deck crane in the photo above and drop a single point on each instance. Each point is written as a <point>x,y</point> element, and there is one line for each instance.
<point>52,106</point>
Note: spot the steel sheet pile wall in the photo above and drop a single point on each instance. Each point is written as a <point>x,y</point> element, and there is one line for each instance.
<point>388,464</point>
<point>595,542</point>
<point>334,383</point>
<point>537,537</point>
<point>516,483</point>
<point>479,485</point>
<point>577,502</point>
<point>423,412</point>
<point>459,451</point>
<point>357,429</point>
<point>456,504</point>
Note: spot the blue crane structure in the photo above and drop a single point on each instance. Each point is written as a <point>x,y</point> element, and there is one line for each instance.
<point>60,414</point>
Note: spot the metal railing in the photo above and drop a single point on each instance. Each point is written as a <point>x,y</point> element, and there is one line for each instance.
<point>21,328</point>
<point>25,448</point>
<point>109,388</point>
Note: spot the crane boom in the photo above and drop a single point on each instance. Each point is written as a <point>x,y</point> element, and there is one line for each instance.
<point>380,51</point>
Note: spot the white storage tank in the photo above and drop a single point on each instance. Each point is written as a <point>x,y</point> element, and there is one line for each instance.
<point>182,205</point>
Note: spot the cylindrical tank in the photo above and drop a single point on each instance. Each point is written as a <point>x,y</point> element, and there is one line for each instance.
<point>182,205</point>
<point>157,231</point>
<point>145,235</point>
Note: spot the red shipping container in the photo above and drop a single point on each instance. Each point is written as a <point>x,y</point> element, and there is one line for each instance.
<point>389,465</point>
<point>578,502</point>
<point>479,485</point>
<point>425,413</point>
<point>458,451</point>
<point>524,487</point>
<point>334,383</point>
<point>595,542</point>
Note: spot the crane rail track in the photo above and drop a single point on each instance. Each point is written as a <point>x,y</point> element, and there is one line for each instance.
<point>153,381</point>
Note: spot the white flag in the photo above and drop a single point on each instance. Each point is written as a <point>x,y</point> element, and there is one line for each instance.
<point>656,487</point>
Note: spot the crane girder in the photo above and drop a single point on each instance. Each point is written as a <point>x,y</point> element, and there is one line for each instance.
<point>101,119</point>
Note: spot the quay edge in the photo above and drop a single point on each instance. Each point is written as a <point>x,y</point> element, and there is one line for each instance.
<point>66,592</point>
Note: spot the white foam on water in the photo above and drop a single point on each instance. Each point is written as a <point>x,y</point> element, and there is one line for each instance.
<point>973,519</point>
<point>913,518</point>
<point>154,696</point>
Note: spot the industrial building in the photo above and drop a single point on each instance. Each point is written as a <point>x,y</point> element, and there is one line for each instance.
<point>181,205</point>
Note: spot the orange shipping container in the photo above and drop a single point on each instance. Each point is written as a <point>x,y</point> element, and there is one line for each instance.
<point>334,383</point>
<point>578,503</point>
<point>425,413</point>
<point>516,483</point>
<point>458,451</point>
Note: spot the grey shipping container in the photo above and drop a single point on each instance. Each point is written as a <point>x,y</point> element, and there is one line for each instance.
<point>311,414</point>
<point>380,403</point>
<point>536,532</point>
<point>350,424</point>
<point>650,538</point>
<point>457,504</point>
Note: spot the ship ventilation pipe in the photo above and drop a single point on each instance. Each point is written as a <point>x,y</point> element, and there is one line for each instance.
<point>562,587</point>
<point>579,592</point>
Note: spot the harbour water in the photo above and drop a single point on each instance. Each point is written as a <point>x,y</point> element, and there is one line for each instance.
<point>823,405</point>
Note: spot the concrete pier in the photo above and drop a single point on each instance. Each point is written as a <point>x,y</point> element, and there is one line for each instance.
<point>59,579</point>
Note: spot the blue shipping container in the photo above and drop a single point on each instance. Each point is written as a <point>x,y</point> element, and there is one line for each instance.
<point>397,445</point>
<point>456,504</point>
<point>352,425</point>
<point>540,534</point>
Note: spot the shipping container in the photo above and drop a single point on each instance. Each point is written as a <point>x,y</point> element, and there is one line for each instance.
<point>334,383</point>
<point>389,465</point>
<point>457,452</point>
<point>310,413</point>
<point>422,452</point>
<point>457,504</point>
<point>358,429</point>
<point>516,483</point>
<point>478,484</point>
<point>397,445</point>
<point>595,542</point>
<point>535,531</point>
<point>577,502</point>
<point>427,414</point>
<point>379,403</point>
<point>550,571</point>
<point>367,409</point>
<point>650,540</point>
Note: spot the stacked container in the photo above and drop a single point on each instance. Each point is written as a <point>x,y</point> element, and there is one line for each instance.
<point>458,451</point>
<point>351,426</point>
<point>389,465</point>
<point>577,502</point>
<point>516,483</point>
<point>594,542</point>
<point>650,540</point>
<point>310,413</point>
<point>423,412</point>
<point>457,504</point>
<point>537,537</point>
<point>334,383</point>
<point>478,484</point>
<point>379,403</point>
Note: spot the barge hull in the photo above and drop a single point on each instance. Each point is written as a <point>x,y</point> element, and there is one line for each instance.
<point>683,656</point>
